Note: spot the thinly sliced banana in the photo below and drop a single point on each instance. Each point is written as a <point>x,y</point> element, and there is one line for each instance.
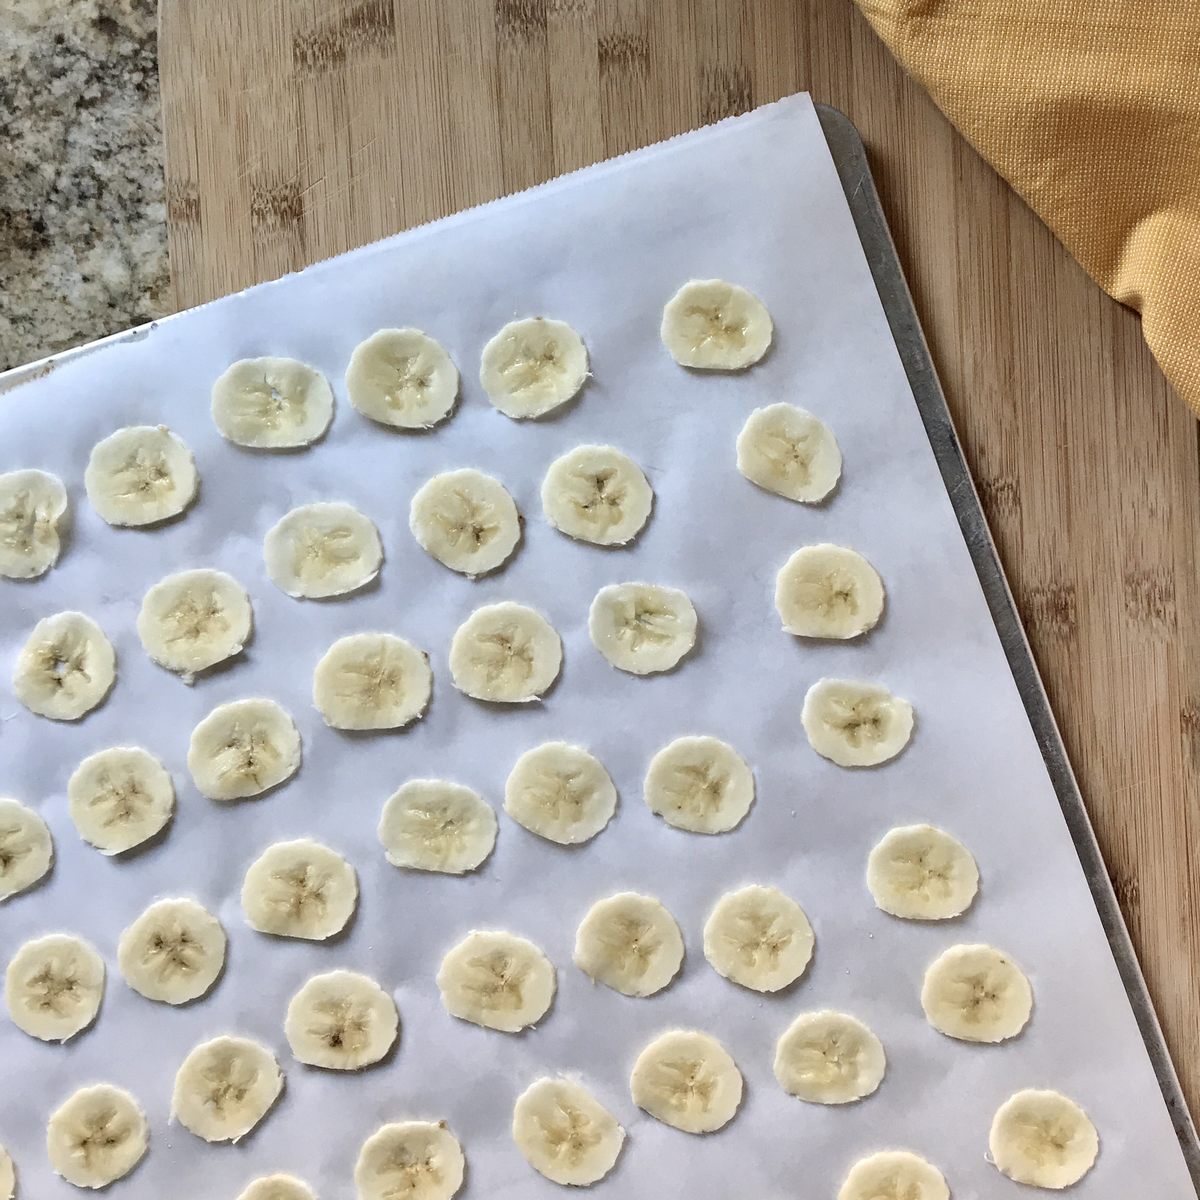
<point>26,848</point>
<point>435,825</point>
<point>97,1136</point>
<point>758,937</point>
<point>712,325</point>
<point>32,506</point>
<point>976,994</point>
<point>243,748</point>
<point>140,475</point>
<point>410,1160</point>
<point>700,784</point>
<point>119,798</point>
<point>856,724</point>
<point>272,403</point>
<point>173,952</point>
<point>507,653</point>
<point>642,628</point>
<point>497,980</point>
<point>66,667</point>
<point>299,889</point>
<point>894,1175</point>
<point>560,792</point>
<point>224,1088</point>
<point>827,591</point>
<point>8,1176</point>
<point>322,550</point>
<point>597,494</point>
<point>193,620</point>
<point>1044,1139</point>
<point>402,378</point>
<point>466,520</point>
<point>829,1058</point>
<point>565,1133</point>
<point>786,450</point>
<point>631,943</point>
<point>53,987</point>
<point>277,1187</point>
<point>533,366</point>
<point>688,1080</point>
<point>342,1021</point>
<point>372,681</point>
<point>922,873</point>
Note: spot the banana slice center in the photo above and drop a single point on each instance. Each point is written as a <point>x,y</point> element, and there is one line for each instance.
<point>229,1083</point>
<point>143,475</point>
<point>506,656</point>
<point>412,1170</point>
<point>791,456</point>
<point>497,980</point>
<point>833,595</point>
<point>598,499</point>
<point>60,661</point>
<point>409,380</point>
<point>833,1061</point>
<point>193,616</point>
<point>919,873</point>
<point>13,848</point>
<point>569,1134</point>
<point>301,890</point>
<point>690,1084</point>
<point>248,752</point>
<point>21,523</point>
<point>633,944</point>
<point>979,996</point>
<point>342,1025</point>
<point>54,990</point>
<point>892,1188</point>
<point>171,954</point>
<point>646,623</point>
<point>267,405</point>
<point>1044,1140</point>
<point>717,327</point>
<point>473,525</point>
<point>561,795</point>
<point>440,830</point>
<point>757,939</point>
<point>861,724</point>
<point>531,367</point>
<point>698,789</point>
<point>103,1133</point>
<point>323,549</point>
<point>118,800</point>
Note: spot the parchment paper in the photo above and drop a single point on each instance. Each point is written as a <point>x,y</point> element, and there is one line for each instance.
<point>755,200</point>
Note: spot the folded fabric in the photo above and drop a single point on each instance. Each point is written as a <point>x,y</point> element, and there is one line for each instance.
<point>1091,110</point>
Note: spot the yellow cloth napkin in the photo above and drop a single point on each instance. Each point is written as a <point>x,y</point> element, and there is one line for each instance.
<point>1091,110</point>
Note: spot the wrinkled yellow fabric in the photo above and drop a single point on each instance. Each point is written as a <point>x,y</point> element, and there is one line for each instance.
<point>1091,110</point>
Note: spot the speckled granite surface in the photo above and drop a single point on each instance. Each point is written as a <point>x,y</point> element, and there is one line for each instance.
<point>82,221</point>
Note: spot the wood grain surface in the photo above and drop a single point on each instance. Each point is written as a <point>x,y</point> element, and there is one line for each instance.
<point>296,129</point>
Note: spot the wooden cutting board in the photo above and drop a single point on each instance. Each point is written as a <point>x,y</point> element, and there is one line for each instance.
<point>296,129</point>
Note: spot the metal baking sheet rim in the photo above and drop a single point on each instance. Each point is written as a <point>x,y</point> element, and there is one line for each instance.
<point>850,159</point>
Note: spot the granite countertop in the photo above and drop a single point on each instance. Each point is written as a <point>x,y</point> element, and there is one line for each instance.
<point>83,249</point>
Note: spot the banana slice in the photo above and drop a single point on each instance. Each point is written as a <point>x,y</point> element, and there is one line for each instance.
<point>243,749</point>
<point>53,987</point>
<point>8,1176</point>
<point>826,591</point>
<point>193,620</point>
<point>466,520</point>
<point>712,325</point>
<point>856,724</point>
<point>299,889</point>
<point>402,378</point>
<point>410,1160</point>
<point>597,494</point>
<point>687,1080</point>
<point>758,937</point>
<point>1043,1138</point>
<point>97,1136</point>
<point>277,1187</point>
<point>560,792</point>
<point>631,943</point>
<point>507,653</point>
<point>140,475</point>
<point>173,952</point>
<point>434,825</point>
<point>532,366</point>
<point>894,1175</point>
<point>372,681</point>
<point>65,668</point>
<point>341,1020</point>
<point>700,784</point>
<point>272,403</point>
<point>786,450</point>
<point>224,1088</point>
<point>322,550</point>
<point>119,798</point>
<point>922,873</point>
<point>26,848</point>
<point>976,994</point>
<point>32,506</point>
<point>642,628</point>
<point>565,1133</point>
<point>497,980</point>
<point>829,1058</point>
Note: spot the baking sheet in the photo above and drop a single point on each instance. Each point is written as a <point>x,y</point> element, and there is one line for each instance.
<point>755,199</point>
